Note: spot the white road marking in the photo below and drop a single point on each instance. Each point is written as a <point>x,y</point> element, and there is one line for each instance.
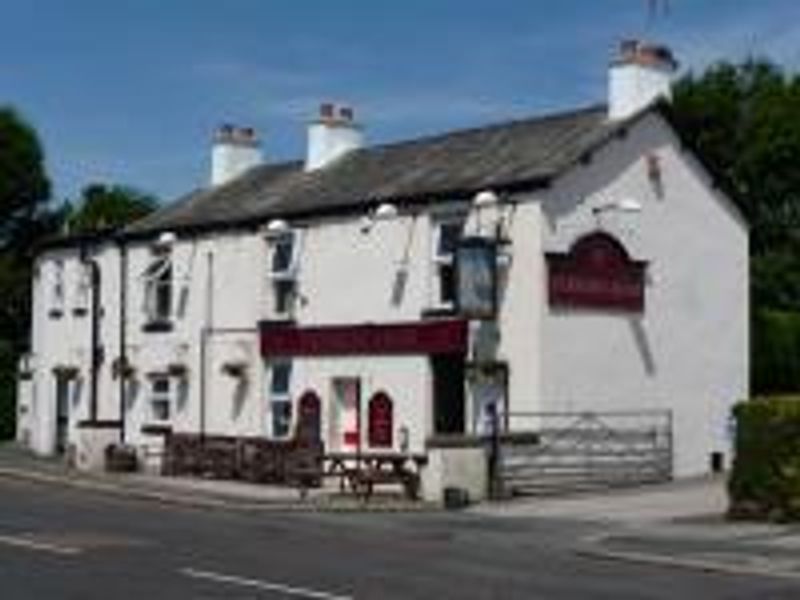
<point>262,585</point>
<point>29,544</point>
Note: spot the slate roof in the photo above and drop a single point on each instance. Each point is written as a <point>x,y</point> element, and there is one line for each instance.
<point>518,154</point>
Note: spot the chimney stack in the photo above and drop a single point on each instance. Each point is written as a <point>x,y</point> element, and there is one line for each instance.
<point>640,75</point>
<point>234,151</point>
<point>331,135</point>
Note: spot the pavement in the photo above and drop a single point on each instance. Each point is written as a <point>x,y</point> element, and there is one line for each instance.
<point>676,525</point>
<point>20,464</point>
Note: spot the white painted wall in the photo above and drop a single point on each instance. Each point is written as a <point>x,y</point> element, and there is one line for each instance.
<point>688,352</point>
<point>694,330</point>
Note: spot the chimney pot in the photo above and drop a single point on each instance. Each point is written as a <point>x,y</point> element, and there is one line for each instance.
<point>234,151</point>
<point>327,110</point>
<point>346,113</point>
<point>332,136</point>
<point>639,75</point>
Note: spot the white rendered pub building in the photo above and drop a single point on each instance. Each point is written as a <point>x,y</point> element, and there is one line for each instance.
<point>621,284</point>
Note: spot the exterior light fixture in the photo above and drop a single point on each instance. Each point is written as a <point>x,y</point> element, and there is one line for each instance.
<point>485,198</point>
<point>166,239</point>
<point>276,226</point>
<point>385,211</point>
<point>626,205</point>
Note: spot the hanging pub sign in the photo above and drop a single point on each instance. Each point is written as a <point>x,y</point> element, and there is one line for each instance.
<point>476,278</point>
<point>597,273</point>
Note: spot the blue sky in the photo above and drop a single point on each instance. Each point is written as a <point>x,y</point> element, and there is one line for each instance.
<point>129,91</point>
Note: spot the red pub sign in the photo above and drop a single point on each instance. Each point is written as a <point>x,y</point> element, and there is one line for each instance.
<point>596,273</point>
<point>423,338</point>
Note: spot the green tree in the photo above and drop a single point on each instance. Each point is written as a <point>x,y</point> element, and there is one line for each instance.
<point>24,218</point>
<point>745,121</point>
<point>24,186</point>
<point>102,207</point>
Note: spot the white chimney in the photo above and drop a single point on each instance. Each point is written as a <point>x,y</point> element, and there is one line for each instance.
<point>332,135</point>
<point>639,76</point>
<point>234,151</point>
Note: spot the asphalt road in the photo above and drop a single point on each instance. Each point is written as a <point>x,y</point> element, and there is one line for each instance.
<point>67,544</point>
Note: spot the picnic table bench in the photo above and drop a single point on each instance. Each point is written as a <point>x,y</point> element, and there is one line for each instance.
<point>361,472</point>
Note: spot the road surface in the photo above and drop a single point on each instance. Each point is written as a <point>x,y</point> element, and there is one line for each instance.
<point>70,544</point>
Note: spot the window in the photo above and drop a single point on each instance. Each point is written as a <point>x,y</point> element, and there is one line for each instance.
<point>83,289</point>
<point>57,289</point>
<point>158,290</point>
<point>283,256</point>
<point>160,398</point>
<point>283,269</point>
<point>446,235</point>
<point>280,399</point>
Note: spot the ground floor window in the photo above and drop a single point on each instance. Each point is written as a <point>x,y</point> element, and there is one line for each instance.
<point>279,398</point>
<point>160,398</point>
<point>281,419</point>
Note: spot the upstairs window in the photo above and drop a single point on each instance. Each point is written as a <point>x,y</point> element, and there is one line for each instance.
<point>83,290</point>
<point>158,290</point>
<point>283,271</point>
<point>57,289</point>
<point>447,233</point>
<point>280,399</point>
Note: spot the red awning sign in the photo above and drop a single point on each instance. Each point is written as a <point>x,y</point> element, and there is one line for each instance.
<point>420,338</point>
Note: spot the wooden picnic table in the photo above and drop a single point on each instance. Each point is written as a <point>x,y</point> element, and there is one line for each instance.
<point>361,471</point>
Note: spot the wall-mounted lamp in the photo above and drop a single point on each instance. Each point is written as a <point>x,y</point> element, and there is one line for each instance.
<point>277,226</point>
<point>625,205</point>
<point>166,240</point>
<point>384,212</point>
<point>485,198</point>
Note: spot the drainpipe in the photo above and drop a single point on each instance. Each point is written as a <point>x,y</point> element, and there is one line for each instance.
<point>123,329</point>
<point>97,351</point>
<point>205,332</point>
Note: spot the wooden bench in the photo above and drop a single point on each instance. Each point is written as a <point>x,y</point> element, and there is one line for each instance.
<point>361,472</point>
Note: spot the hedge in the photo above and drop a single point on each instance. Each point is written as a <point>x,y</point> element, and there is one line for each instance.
<point>765,480</point>
<point>8,389</point>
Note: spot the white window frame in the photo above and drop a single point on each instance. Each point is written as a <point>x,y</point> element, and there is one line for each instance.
<point>161,396</point>
<point>158,265</point>
<point>439,260</point>
<point>280,397</point>
<point>281,279</point>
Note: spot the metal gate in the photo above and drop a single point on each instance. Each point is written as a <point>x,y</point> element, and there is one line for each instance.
<point>556,453</point>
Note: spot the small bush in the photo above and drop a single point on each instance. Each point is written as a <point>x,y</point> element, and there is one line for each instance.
<point>8,389</point>
<point>765,481</point>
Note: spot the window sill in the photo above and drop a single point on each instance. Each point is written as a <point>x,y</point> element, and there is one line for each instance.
<point>158,327</point>
<point>279,321</point>
<point>156,429</point>
<point>438,312</point>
